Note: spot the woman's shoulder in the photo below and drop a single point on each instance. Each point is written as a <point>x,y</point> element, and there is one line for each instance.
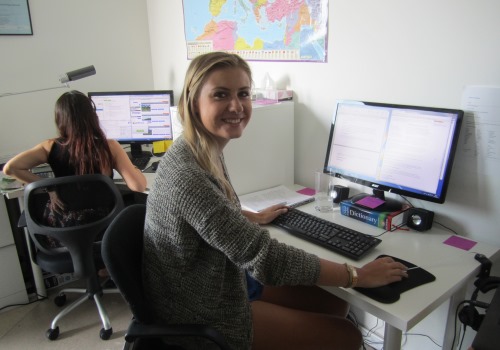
<point>113,143</point>
<point>180,152</point>
<point>47,144</point>
<point>115,148</point>
<point>180,165</point>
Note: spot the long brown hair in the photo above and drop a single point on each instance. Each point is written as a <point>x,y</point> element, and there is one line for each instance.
<point>201,141</point>
<point>81,135</point>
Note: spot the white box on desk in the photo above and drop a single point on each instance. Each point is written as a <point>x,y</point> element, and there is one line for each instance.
<point>267,96</point>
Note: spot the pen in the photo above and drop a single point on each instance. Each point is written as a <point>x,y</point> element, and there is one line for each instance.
<point>413,268</point>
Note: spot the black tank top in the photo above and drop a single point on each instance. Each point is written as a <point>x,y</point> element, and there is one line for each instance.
<point>59,160</point>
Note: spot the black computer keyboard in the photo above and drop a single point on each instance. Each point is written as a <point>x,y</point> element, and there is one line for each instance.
<point>339,239</point>
<point>140,162</point>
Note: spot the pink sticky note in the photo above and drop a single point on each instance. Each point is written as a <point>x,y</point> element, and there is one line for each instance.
<point>307,191</point>
<point>370,202</point>
<point>460,242</point>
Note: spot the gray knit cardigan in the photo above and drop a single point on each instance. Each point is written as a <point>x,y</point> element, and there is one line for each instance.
<point>197,245</point>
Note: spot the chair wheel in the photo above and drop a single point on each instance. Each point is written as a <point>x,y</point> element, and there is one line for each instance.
<point>52,334</point>
<point>105,334</point>
<point>60,300</point>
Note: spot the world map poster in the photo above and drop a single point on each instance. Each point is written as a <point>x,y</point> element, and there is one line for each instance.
<point>259,30</point>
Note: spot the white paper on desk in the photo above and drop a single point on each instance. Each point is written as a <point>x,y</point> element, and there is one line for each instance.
<point>257,201</point>
<point>8,183</point>
<point>116,175</point>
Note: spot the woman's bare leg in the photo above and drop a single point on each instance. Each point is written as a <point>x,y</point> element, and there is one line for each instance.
<point>306,298</point>
<point>280,327</point>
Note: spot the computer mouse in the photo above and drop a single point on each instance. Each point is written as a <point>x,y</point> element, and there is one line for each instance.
<point>154,165</point>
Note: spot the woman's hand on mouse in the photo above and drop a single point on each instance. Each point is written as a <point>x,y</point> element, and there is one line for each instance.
<point>380,272</point>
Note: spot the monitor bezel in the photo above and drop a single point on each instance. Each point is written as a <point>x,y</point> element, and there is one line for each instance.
<point>377,187</point>
<point>142,141</point>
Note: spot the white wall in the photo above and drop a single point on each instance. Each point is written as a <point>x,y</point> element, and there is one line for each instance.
<point>406,52</point>
<point>112,35</point>
<point>420,53</point>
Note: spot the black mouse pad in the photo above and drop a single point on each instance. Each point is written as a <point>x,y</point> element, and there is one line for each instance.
<point>391,292</point>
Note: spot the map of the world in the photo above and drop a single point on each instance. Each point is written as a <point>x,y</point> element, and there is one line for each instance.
<point>270,30</point>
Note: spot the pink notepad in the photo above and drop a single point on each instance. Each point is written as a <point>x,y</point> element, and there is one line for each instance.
<point>370,202</point>
<point>307,191</point>
<point>460,242</point>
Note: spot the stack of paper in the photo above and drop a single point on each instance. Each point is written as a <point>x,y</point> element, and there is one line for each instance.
<point>260,200</point>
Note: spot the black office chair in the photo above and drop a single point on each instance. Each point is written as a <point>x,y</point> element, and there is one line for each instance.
<point>122,253</point>
<point>92,202</point>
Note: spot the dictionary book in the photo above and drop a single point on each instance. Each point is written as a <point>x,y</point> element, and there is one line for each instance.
<point>381,219</point>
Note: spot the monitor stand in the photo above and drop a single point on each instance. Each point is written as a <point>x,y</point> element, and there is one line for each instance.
<point>137,152</point>
<point>389,205</point>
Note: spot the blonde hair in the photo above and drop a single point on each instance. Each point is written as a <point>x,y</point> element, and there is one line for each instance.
<point>202,142</point>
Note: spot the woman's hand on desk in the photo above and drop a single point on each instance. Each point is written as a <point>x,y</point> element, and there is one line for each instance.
<point>267,215</point>
<point>380,272</point>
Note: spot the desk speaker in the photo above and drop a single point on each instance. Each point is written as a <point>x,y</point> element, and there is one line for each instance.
<point>339,193</point>
<point>419,219</point>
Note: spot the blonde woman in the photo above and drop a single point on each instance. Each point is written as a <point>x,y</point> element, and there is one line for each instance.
<point>207,261</point>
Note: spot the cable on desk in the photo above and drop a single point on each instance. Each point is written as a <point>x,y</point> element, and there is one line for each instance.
<point>446,227</point>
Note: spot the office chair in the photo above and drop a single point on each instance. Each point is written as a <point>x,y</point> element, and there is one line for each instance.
<point>92,202</point>
<point>122,253</point>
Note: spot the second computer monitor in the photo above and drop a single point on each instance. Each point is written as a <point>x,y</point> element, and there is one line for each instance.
<point>135,117</point>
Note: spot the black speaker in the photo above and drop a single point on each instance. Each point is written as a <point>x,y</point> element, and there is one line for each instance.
<point>419,219</point>
<point>339,193</point>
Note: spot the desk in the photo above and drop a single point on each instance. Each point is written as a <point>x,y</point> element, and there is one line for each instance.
<point>454,270</point>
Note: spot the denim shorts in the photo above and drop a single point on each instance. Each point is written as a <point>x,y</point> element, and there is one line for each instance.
<point>254,288</point>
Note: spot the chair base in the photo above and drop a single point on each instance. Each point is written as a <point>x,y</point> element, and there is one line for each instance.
<point>106,331</point>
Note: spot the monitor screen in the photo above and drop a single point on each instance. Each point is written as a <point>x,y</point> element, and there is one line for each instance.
<point>135,117</point>
<point>407,150</point>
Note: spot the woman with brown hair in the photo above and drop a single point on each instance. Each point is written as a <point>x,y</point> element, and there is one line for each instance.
<point>80,148</point>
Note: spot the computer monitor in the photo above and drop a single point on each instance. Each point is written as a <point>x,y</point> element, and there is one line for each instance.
<point>135,117</point>
<point>407,150</point>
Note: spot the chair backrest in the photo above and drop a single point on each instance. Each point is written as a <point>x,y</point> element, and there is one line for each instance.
<point>122,246</point>
<point>91,202</point>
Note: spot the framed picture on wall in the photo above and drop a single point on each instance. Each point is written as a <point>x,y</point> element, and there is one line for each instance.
<point>15,17</point>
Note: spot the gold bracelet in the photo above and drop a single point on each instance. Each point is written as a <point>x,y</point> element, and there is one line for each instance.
<point>353,276</point>
<point>349,276</point>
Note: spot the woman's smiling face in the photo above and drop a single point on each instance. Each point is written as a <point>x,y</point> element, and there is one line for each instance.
<point>224,104</point>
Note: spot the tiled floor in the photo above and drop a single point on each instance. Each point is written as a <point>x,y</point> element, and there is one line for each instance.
<point>24,327</point>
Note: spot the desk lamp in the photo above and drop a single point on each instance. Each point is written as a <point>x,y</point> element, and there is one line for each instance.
<point>64,79</point>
